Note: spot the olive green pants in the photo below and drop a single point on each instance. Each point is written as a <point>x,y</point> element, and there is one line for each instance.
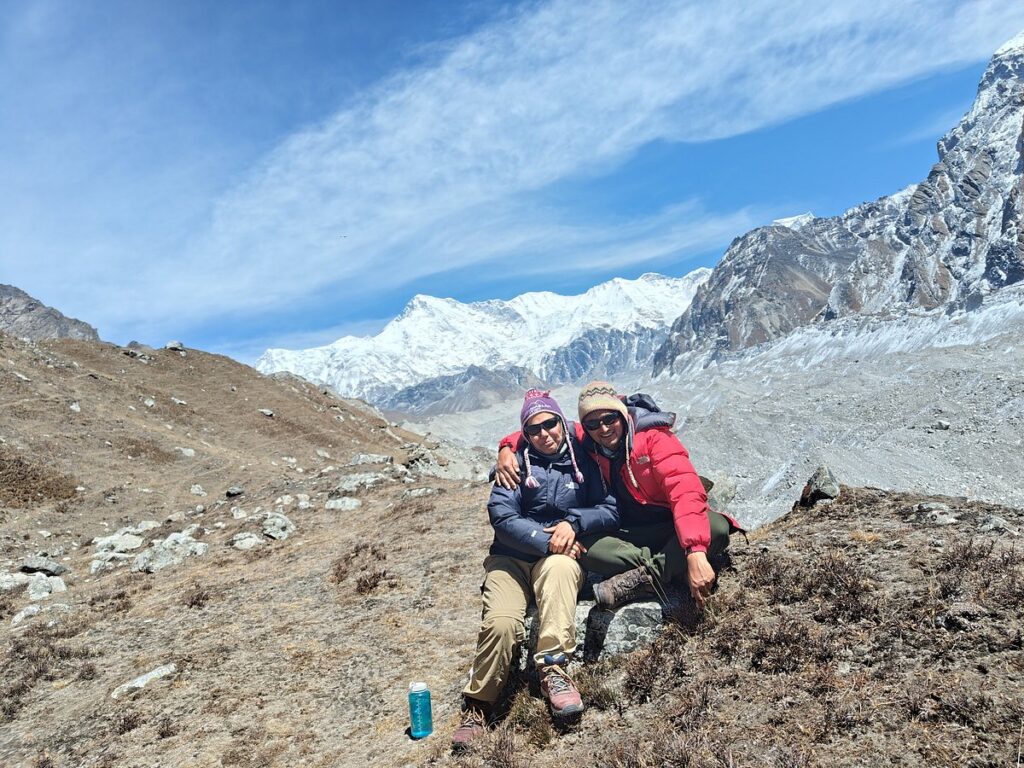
<point>554,582</point>
<point>654,547</point>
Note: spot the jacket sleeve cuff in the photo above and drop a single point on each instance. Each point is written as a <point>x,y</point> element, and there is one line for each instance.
<point>697,548</point>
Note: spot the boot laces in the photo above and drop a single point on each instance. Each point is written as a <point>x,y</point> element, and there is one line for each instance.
<point>558,681</point>
<point>472,717</point>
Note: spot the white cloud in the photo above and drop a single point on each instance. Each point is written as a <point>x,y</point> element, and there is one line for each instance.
<point>440,168</point>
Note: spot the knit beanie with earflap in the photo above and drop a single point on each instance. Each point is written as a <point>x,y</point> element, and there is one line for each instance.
<point>538,401</point>
<point>601,396</point>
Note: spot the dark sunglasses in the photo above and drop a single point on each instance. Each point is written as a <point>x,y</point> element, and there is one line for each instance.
<point>534,429</point>
<point>605,421</point>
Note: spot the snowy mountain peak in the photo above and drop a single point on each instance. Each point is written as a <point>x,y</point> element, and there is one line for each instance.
<point>613,327</point>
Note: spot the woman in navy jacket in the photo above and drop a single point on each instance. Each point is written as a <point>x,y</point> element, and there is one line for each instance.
<point>534,554</point>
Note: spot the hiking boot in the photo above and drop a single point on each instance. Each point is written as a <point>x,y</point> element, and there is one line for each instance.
<point>559,690</point>
<point>473,724</point>
<point>624,588</point>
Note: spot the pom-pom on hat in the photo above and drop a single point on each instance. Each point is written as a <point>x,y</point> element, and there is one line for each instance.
<point>600,396</point>
<point>538,401</point>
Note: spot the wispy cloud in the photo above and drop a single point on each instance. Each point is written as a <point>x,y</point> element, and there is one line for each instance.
<point>444,166</point>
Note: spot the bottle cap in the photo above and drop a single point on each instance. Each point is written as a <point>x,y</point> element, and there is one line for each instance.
<point>417,687</point>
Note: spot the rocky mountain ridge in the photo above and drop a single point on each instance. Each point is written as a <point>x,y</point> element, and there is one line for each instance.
<point>614,327</point>
<point>944,244</point>
<point>26,317</point>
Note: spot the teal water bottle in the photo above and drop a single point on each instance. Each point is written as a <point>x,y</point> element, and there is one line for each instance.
<point>421,719</point>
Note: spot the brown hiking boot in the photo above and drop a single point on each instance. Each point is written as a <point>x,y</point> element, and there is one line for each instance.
<point>558,688</point>
<point>624,588</point>
<point>473,724</point>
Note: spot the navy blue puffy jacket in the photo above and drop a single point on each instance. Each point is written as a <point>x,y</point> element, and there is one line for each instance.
<point>520,516</point>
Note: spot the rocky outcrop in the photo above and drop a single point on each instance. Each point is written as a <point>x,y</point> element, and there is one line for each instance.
<point>474,388</point>
<point>26,317</point>
<point>947,242</point>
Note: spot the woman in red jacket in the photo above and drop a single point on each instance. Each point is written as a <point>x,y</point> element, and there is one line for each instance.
<point>667,528</point>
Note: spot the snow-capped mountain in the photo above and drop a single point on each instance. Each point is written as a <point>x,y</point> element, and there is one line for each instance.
<point>942,245</point>
<point>614,327</point>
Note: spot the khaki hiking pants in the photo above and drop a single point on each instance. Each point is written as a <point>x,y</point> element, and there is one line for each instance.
<point>554,581</point>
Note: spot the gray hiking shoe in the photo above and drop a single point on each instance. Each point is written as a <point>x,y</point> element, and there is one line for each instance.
<point>624,588</point>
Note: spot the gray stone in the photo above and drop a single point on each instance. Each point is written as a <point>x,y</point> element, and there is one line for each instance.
<point>40,564</point>
<point>233,491</point>
<point>12,581</point>
<point>118,542</point>
<point>369,458</point>
<point>149,402</point>
<point>173,550</point>
<point>142,681</point>
<point>932,506</point>
<point>188,453</point>
<point>25,613</point>
<point>357,482</point>
<point>246,541</point>
<point>419,493</point>
<point>942,424</point>
<point>821,485</point>
<point>994,523</point>
<point>175,346</point>
<point>267,412</point>
<point>322,453</point>
<point>39,586</point>
<point>108,561</point>
<point>197,490</point>
<point>277,526</point>
<point>346,504</point>
<point>178,401</point>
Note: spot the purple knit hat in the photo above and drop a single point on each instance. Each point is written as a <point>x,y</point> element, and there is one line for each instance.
<point>538,401</point>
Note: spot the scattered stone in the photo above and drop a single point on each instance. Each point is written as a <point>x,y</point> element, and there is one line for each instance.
<point>234,491</point>
<point>40,564</point>
<point>39,587</point>
<point>176,401</point>
<point>176,517</point>
<point>289,460</point>
<point>357,482</point>
<point>303,501</point>
<point>75,407</point>
<point>277,526</point>
<point>821,485</point>
<point>932,506</point>
<point>25,613</point>
<point>199,508</point>
<point>267,412</point>
<point>960,617</point>
<point>238,513</point>
<point>108,561</point>
<point>11,581</point>
<point>57,584</point>
<point>994,523</point>
<point>942,424</point>
<point>44,534</point>
<point>284,501</point>
<point>173,550</point>
<point>197,490</point>
<point>175,346</point>
<point>419,493</point>
<point>246,541</point>
<point>369,458</point>
<point>322,453</point>
<point>141,682</point>
<point>122,541</point>
<point>346,504</point>
<point>149,402</point>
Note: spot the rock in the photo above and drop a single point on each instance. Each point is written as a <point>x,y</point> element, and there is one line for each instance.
<point>357,482</point>
<point>277,526</point>
<point>932,506</point>
<point>267,412</point>
<point>108,561</point>
<point>75,407</point>
<point>11,581</point>
<point>721,493</point>
<point>141,682</point>
<point>118,542</point>
<point>39,587</point>
<point>25,613</point>
<point>238,513</point>
<point>246,541</point>
<point>369,458</point>
<point>173,550</point>
<point>57,584</point>
<point>960,617</point>
<point>419,493</point>
<point>303,501</point>
<point>994,523</point>
<point>234,491</point>
<point>175,346</point>
<point>284,501</point>
<point>941,424</point>
<point>149,402</point>
<point>322,453</point>
<point>821,485</point>
<point>178,401</point>
<point>346,504</point>
<point>188,453</point>
<point>197,490</point>
<point>44,534</point>
<point>39,564</point>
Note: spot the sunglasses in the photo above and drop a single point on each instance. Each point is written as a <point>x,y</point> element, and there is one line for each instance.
<point>534,429</point>
<point>605,421</point>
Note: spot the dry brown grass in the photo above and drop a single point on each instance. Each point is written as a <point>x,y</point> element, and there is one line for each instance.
<point>23,482</point>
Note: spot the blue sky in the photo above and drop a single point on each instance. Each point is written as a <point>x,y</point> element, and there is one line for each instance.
<point>249,174</point>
